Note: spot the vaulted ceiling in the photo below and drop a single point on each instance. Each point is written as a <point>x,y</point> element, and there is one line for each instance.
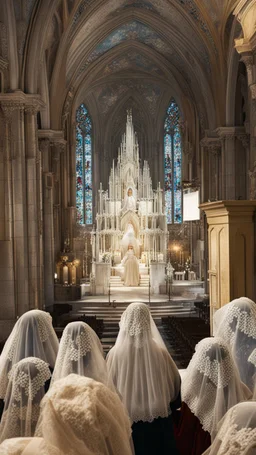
<point>110,53</point>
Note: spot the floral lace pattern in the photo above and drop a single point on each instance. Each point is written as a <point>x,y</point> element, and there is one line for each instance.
<point>21,377</point>
<point>25,390</point>
<point>210,371</point>
<point>102,418</point>
<point>246,318</point>
<point>78,347</point>
<point>136,319</point>
<point>235,440</point>
<point>211,368</point>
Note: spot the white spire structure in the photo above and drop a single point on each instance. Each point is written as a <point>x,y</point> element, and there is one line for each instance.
<point>130,199</point>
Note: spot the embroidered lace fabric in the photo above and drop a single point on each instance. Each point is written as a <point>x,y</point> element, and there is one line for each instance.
<point>212,384</point>
<point>82,416</point>
<point>20,446</point>
<point>235,323</point>
<point>141,368</point>
<point>237,431</point>
<point>80,352</point>
<point>32,336</point>
<point>22,401</point>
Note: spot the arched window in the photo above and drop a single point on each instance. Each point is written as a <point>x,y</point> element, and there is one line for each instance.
<point>83,166</point>
<point>172,164</point>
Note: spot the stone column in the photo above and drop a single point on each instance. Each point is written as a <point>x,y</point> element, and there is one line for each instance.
<point>247,49</point>
<point>34,209</point>
<point>21,247</point>
<point>49,266</point>
<point>8,294</point>
<point>14,112</point>
<point>228,161</point>
<point>57,202</point>
<point>244,141</point>
<point>212,168</point>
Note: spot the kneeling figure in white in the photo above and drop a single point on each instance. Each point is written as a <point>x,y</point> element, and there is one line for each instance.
<point>131,268</point>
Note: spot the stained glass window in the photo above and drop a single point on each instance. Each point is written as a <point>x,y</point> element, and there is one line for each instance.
<point>83,166</point>
<point>172,164</point>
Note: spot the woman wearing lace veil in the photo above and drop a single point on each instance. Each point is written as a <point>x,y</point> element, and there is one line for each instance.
<point>28,380</point>
<point>79,416</point>
<point>147,379</point>
<point>235,323</point>
<point>32,336</point>
<point>80,352</point>
<point>209,389</point>
<point>236,432</point>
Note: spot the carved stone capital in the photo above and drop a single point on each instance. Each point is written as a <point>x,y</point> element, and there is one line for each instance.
<point>31,109</point>
<point>9,107</point>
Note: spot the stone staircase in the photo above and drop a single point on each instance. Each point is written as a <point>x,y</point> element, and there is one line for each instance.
<point>111,315</point>
<point>116,282</point>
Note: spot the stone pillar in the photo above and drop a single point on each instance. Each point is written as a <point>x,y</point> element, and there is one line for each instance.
<point>246,47</point>
<point>34,214</point>
<point>8,295</point>
<point>212,168</point>
<point>231,250</point>
<point>20,244</point>
<point>48,235</point>
<point>228,161</point>
<point>14,112</point>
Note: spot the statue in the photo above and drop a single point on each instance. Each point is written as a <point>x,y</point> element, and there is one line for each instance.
<point>130,239</point>
<point>129,201</point>
<point>131,268</point>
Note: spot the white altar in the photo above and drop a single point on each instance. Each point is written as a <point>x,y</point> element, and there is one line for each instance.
<point>130,215</point>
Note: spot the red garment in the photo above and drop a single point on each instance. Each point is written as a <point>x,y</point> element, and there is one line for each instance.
<point>190,437</point>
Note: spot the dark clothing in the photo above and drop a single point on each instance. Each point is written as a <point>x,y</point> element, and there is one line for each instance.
<point>191,439</point>
<point>157,437</point>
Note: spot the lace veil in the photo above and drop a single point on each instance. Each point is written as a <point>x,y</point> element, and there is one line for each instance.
<point>236,432</point>
<point>235,323</point>
<point>142,369</point>
<point>80,416</point>
<point>24,393</point>
<point>80,352</point>
<point>32,336</point>
<point>212,384</point>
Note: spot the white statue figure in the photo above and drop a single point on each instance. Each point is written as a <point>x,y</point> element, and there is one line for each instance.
<point>130,239</point>
<point>131,268</point>
<point>129,201</point>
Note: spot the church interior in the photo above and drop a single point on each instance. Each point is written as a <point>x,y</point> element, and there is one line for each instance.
<point>127,212</point>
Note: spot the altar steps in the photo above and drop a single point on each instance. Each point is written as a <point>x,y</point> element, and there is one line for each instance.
<point>111,316</point>
<point>116,282</point>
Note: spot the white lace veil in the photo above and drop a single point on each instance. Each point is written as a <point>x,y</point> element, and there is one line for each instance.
<point>236,431</point>
<point>32,336</point>
<point>80,352</point>
<point>212,384</point>
<point>21,446</point>
<point>26,388</point>
<point>235,323</point>
<point>80,416</point>
<point>142,369</point>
